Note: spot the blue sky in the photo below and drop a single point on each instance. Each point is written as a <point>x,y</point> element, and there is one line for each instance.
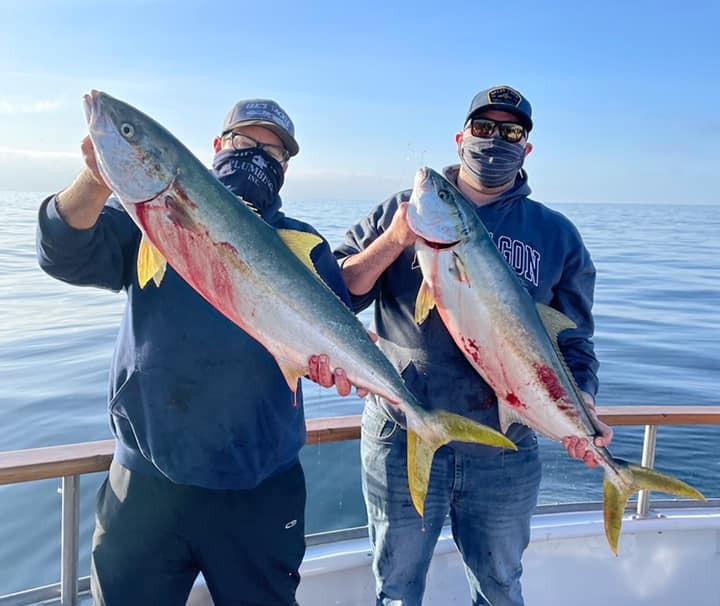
<point>626,95</point>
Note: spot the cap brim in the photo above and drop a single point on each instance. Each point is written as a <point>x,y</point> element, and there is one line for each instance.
<point>288,140</point>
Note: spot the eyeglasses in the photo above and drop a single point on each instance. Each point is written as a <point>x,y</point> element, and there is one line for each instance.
<point>512,132</point>
<point>241,141</point>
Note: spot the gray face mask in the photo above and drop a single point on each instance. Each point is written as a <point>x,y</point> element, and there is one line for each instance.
<point>493,162</point>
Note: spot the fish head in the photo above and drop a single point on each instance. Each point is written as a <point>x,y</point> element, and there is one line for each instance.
<point>438,213</point>
<point>134,153</point>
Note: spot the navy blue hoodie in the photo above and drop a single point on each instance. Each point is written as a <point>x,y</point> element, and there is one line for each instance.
<point>192,396</point>
<point>548,254</point>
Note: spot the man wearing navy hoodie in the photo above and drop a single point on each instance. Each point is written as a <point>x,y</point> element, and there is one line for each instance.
<point>490,494</point>
<point>206,476</point>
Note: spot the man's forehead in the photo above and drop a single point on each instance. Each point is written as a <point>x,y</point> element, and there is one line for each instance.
<point>497,114</point>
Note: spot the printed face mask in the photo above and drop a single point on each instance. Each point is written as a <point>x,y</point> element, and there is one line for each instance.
<point>493,162</point>
<point>252,174</point>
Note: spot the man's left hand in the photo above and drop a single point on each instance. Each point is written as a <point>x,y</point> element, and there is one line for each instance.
<point>578,447</point>
<point>320,372</point>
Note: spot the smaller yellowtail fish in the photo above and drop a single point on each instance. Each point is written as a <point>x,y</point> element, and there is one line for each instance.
<point>509,339</point>
<point>261,279</point>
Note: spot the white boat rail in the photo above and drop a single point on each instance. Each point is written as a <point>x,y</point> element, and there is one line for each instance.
<point>69,462</point>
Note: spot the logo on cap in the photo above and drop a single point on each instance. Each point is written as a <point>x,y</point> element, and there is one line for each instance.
<point>267,111</point>
<point>505,95</point>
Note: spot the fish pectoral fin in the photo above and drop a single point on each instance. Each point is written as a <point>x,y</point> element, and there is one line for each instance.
<point>424,303</point>
<point>150,263</point>
<point>553,320</point>
<point>643,478</point>
<point>301,243</point>
<point>508,416</point>
<point>460,271</point>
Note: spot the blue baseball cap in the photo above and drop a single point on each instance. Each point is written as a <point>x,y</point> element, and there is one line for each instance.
<point>266,113</point>
<point>503,98</point>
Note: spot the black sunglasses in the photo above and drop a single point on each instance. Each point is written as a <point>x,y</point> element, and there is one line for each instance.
<point>512,132</point>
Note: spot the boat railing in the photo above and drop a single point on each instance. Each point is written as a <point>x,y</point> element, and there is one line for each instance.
<point>70,461</point>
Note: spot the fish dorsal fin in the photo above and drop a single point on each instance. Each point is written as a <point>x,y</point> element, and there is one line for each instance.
<point>301,243</point>
<point>150,263</point>
<point>424,303</point>
<point>553,320</point>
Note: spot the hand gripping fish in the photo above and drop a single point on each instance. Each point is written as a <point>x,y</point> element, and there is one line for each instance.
<point>260,278</point>
<point>509,339</point>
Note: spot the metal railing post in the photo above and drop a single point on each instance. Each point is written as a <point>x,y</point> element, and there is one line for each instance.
<point>70,538</point>
<point>648,460</point>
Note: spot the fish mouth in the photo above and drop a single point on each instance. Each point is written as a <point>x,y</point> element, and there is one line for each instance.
<point>440,245</point>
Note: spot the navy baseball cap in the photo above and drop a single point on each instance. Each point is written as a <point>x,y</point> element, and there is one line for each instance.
<point>505,99</point>
<point>266,113</point>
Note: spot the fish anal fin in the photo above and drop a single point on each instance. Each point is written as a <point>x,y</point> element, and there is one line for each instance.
<point>151,263</point>
<point>301,243</point>
<point>424,303</point>
<point>507,416</point>
<point>292,374</point>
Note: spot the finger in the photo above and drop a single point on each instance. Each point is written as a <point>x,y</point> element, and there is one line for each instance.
<point>362,392</point>
<point>313,368</point>
<point>341,382</point>
<point>325,374</point>
<point>373,336</point>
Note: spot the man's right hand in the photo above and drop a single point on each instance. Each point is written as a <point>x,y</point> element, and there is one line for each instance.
<point>399,231</point>
<point>81,203</point>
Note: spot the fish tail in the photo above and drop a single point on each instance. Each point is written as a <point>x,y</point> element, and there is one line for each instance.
<point>453,428</point>
<point>641,478</point>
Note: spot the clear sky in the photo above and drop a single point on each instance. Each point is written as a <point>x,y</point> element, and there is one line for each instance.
<point>626,94</point>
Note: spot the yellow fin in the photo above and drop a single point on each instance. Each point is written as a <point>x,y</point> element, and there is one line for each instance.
<point>301,243</point>
<point>150,263</point>
<point>424,303</point>
<point>419,462</point>
<point>643,478</point>
<point>292,375</point>
<point>455,428</point>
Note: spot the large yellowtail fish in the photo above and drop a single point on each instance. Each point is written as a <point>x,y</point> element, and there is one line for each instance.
<point>260,278</point>
<point>509,339</point>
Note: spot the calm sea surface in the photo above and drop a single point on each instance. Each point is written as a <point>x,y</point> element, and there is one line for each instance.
<point>657,337</point>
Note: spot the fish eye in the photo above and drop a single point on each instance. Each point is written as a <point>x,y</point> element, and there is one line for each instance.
<point>127,130</point>
<point>443,194</point>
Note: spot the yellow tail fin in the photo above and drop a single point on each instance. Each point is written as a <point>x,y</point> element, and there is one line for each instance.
<point>643,478</point>
<point>454,428</point>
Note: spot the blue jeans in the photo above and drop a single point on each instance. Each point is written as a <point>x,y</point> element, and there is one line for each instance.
<point>490,501</point>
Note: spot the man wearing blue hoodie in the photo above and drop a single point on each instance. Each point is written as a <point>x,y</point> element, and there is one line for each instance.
<point>490,494</point>
<point>206,476</point>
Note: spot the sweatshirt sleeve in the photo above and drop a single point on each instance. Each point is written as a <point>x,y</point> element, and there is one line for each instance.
<point>574,297</point>
<point>100,256</point>
<point>362,235</point>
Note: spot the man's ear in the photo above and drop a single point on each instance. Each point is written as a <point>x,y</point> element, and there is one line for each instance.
<point>528,148</point>
<point>217,144</point>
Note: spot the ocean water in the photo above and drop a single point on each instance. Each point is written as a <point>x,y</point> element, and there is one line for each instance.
<point>657,338</point>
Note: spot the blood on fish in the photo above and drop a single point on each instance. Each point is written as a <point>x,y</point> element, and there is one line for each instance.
<point>472,349</point>
<point>550,379</point>
<point>513,400</point>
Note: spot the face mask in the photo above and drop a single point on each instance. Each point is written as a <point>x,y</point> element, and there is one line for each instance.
<point>252,174</point>
<point>493,162</point>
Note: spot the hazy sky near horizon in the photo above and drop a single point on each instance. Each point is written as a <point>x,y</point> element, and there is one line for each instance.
<point>625,94</point>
